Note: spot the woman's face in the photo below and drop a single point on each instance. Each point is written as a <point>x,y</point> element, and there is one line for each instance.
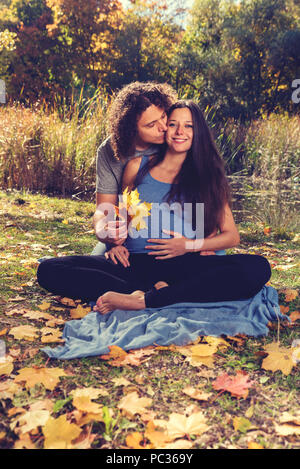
<point>179,134</point>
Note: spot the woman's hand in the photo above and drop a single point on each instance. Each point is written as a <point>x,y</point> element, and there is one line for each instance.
<point>167,248</point>
<point>118,253</point>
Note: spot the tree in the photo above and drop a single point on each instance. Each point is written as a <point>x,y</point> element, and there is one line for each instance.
<point>145,45</point>
<point>232,55</point>
<point>86,31</point>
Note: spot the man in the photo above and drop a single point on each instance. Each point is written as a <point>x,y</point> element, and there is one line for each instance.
<point>137,121</point>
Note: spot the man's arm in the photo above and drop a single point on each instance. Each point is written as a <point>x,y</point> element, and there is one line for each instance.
<point>103,228</point>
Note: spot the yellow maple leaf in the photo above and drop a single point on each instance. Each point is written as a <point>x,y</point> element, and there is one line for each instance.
<point>67,301</point>
<point>196,393</point>
<point>180,425</point>
<point>279,358</point>
<point>84,404</point>
<point>59,433</point>
<point>202,354</point>
<point>25,332</point>
<point>6,365</point>
<point>49,377</point>
<point>30,421</point>
<point>132,404</point>
<point>79,312</point>
<point>49,334</point>
<point>90,392</point>
<point>43,306</point>
<point>133,440</point>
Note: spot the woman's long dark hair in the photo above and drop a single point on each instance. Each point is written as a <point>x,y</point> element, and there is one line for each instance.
<point>202,175</point>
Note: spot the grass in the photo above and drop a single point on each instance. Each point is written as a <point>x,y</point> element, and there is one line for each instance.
<point>33,226</point>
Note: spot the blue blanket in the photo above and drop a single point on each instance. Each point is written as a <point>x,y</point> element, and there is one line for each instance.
<point>176,324</point>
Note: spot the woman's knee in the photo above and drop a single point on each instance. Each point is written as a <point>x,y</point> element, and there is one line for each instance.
<point>257,272</point>
<point>47,271</point>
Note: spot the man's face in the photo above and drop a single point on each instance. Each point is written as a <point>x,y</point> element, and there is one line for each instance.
<point>151,127</point>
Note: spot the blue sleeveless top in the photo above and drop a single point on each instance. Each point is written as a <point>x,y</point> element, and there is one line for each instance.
<point>162,215</point>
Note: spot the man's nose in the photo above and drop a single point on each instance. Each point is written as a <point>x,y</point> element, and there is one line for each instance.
<point>162,125</point>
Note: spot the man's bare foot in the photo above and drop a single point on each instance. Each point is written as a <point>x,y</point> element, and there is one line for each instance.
<point>110,301</point>
<point>160,285</point>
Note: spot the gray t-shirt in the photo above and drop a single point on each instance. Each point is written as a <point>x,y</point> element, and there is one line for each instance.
<point>109,170</point>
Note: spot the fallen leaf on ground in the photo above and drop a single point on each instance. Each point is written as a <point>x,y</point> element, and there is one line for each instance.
<point>59,433</point>
<point>237,385</point>
<point>120,357</point>
<point>157,438</point>
<point>241,424</point>
<point>43,306</point>
<point>196,393</point>
<point>202,354</point>
<point>289,424</point>
<point>132,404</point>
<point>284,267</point>
<point>6,365</point>
<point>30,421</point>
<point>180,425</point>
<point>49,377</point>
<point>133,440</point>
<point>290,294</point>
<point>67,301</point>
<point>38,315</point>
<point>295,315</point>
<point>253,445</point>
<point>79,312</point>
<point>121,381</point>
<point>279,358</point>
<point>51,335</point>
<point>24,442</point>
<point>25,332</point>
<point>92,393</point>
<point>84,404</point>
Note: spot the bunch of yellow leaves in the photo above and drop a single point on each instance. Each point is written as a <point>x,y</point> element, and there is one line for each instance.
<point>131,208</point>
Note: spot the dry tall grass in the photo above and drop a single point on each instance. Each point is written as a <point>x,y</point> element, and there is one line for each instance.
<point>41,151</point>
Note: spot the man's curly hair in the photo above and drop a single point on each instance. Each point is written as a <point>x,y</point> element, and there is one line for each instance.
<point>130,102</point>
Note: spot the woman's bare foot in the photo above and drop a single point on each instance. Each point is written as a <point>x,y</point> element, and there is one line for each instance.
<point>160,285</point>
<point>110,301</point>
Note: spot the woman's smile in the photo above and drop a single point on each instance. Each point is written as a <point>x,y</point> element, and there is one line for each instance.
<point>179,135</point>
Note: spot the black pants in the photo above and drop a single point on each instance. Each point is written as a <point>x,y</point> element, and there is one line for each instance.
<point>191,277</point>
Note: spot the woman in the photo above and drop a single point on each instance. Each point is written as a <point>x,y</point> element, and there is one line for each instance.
<point>167,270</point>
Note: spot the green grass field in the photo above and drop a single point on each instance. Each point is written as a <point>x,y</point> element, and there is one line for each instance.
<point>162,382</point>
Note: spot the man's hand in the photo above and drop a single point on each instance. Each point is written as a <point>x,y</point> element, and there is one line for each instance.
<point>112,232</point>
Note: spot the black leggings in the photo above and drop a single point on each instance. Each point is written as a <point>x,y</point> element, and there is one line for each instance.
<point>191,277</point>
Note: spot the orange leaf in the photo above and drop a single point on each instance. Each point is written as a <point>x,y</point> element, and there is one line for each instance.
<point>237,385</point>
<point>134,441</point>
<point>290,295</point>
<point>295,315</point>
